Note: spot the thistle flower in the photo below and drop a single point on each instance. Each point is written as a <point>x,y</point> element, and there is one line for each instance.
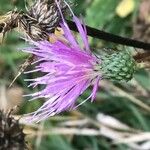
<point>69,69</point>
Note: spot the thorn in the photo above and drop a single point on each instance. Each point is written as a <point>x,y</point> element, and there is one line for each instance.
<point>15,79</point>
<point>27,62</point>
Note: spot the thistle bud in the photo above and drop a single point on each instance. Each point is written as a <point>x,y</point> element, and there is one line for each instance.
<point>118,65</point>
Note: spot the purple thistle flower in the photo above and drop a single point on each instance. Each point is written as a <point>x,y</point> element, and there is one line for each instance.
<point>68,68</point>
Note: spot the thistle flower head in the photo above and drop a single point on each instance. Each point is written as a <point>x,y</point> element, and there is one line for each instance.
<point>68,69</point>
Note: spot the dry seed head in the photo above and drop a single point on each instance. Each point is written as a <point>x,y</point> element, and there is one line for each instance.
<point>42,19</point>
<point>9,21</point>
<point>11,134</point>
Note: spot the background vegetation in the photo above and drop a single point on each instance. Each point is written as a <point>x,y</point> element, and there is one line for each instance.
<point>119,119</point>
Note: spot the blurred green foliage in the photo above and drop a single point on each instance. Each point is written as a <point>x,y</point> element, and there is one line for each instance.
<point>100,14</point>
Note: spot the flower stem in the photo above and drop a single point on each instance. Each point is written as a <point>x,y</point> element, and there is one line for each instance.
<point>111,37</point>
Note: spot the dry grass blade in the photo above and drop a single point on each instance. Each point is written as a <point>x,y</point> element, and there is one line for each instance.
<point>113,129</point>
<point>113,123</point>
<point>141,137</point>
<point>139,90</point>
<point>65,131</point>
<point>72,123</point>
<point>133,99</point>
<point>39,135</point>
<point>3,98</point>
<point>122,93</point>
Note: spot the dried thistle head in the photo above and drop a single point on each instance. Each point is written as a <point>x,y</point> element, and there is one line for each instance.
<point>38,22</point>
<point>11,134</point>
<point>8,22</point>
<point>42,18</point>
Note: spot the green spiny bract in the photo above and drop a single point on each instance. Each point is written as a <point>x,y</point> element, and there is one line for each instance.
<point>117,65</point>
